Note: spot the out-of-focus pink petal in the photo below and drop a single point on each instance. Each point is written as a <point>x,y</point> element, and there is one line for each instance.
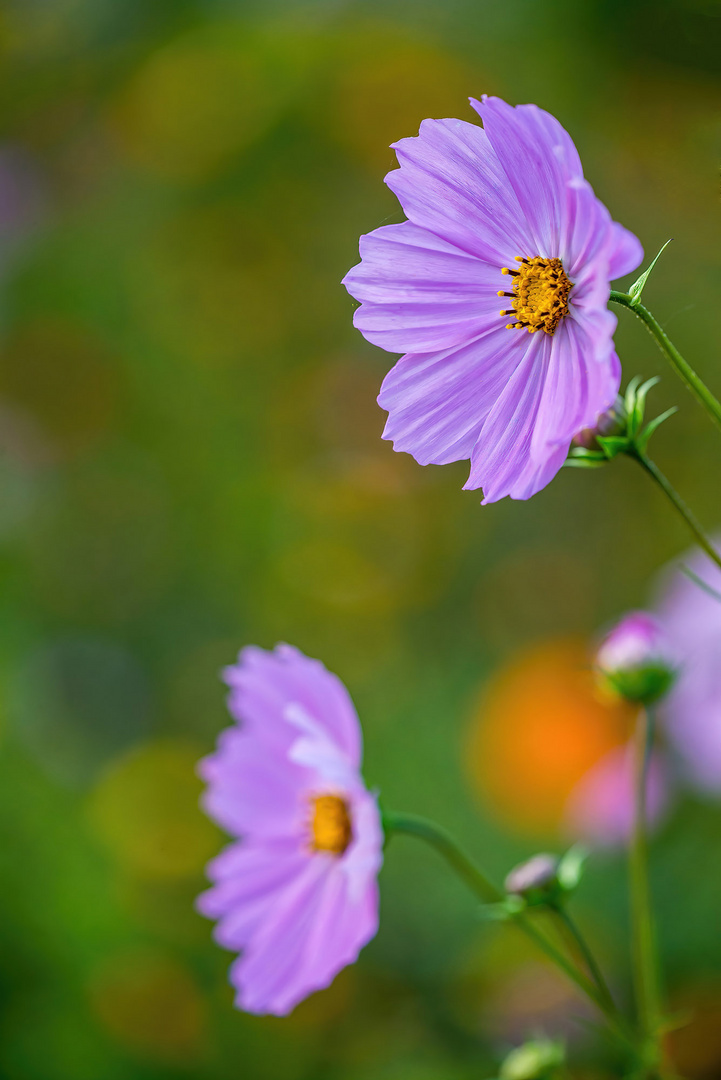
<point>601,807</point>
<point>691,714</point>
<point>297,747</point>
<point>262,685</point>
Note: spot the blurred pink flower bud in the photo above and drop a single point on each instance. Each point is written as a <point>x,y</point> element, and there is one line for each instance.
<point>635,659</point>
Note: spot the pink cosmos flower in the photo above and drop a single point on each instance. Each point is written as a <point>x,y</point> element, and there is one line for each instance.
<point>691,714</point>
<point>296,893</point>
<point>503,210</point>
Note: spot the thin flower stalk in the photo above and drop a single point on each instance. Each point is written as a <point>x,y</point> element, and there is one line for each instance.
<point>486,891</point>
<point>677,502</point>
<point>684,370</point>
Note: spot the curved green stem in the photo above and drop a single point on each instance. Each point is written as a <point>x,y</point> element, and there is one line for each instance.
<point>584,949</point>
<point>697,387</point>
<point>479,884</point>
<point>672,495</point>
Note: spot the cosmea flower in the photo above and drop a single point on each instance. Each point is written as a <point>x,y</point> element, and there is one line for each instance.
<point>296,894</point>
<point>691,714</point>
<point>501,210</point>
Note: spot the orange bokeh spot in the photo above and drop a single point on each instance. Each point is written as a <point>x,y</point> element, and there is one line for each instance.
<point>542,724</point>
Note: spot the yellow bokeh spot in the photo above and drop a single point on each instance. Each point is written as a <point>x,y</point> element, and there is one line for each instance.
<point>385,83</point>
<point>541,725</point>
<point>202,98</point>
<point>149,1003</point>
<point>145,809</point>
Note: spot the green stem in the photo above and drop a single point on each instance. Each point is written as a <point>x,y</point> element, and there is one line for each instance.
<point>584,949</point>
<point>645,968</point>
<point>655,473</point>
<point>479,884</point>
<point>697,387</point>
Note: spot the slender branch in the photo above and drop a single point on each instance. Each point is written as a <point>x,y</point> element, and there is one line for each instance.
<point>467,870</point>
<point>655,473</point>
<point>696,385</point>
<point>585,951</point>
<point>442,841</point>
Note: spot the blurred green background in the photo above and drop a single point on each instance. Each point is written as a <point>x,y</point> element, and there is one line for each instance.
<point>190,459</point>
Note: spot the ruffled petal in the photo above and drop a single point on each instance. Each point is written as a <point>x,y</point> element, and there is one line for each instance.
<point>420,293</point>
<point>501,462</point>
<point>577,388</point>
<point>626,252</point>
<point>249,877</point>
<point>252,791</point>
<point>264,684</point>
<point>269,962</point>
<point>451,183</point>
<point>437,402</point>
<point>341,927</point>
<point>539,159</point>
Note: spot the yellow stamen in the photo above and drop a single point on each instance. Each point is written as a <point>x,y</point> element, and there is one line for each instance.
<point>331,824</point>
<point>540,294</point>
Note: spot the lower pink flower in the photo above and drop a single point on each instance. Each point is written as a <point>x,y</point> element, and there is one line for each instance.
<point>297,893</point>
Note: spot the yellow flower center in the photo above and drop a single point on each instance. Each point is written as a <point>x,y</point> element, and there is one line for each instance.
<point>331,824</point>
<point>540,294</point>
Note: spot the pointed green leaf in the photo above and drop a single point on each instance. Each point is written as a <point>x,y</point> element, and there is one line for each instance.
<point>652,425</point>
<point>638,286</point>
<point>638,407</point>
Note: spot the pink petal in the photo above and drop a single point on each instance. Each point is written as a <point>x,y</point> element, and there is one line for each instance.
<point>437,402</point>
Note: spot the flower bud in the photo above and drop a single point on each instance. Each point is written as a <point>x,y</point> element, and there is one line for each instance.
<point>537,1059</point>
<point>610,422</point>
<point>535,880</point>
<point>635,659</point>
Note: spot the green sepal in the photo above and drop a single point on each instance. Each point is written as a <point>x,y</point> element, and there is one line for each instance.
<point>642,684</point>
<point>504,910</point>
<point>613,445</point>
<point>571,866</point>
<point>537,1059</point>
<point>636,404</point>
<point>632,438</point>
<point>581,458</point>
<point>634,293</point>
<point>651,426</point>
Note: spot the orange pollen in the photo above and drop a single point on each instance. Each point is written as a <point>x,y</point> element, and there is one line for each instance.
<point>330,824</point>
<point>540,294</point>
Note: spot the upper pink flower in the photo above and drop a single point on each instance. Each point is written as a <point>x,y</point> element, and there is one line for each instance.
<point>297,893</point>
<point>499,210</point>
